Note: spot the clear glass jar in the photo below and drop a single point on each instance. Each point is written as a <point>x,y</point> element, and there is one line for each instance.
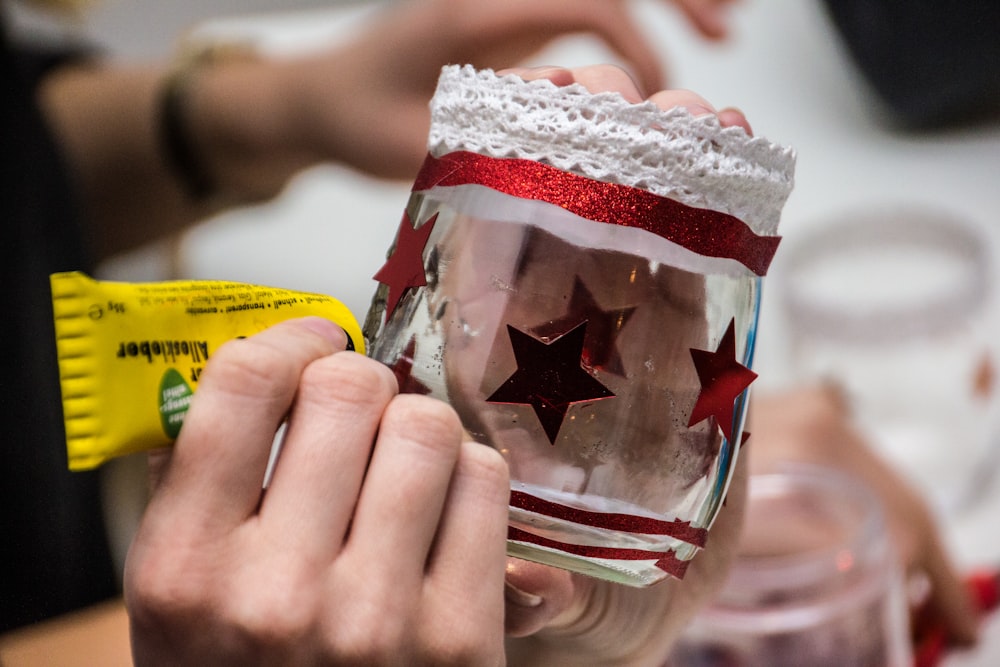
<point>580,278</point>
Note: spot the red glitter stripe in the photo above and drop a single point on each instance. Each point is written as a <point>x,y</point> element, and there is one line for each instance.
<point>666,561</point>
<point>703,231</point>
<point>627,523</point>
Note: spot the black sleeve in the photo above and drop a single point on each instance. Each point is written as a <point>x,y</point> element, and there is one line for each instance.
<point>54,555</point>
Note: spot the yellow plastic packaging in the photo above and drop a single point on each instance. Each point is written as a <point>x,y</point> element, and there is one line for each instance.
<point>130,354</point>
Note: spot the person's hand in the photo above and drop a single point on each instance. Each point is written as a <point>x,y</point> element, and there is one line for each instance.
<point>365,102</point>
<point>391,69</point>
<point>247,125</point>
<point>380,539</point>
<point>813,424</point>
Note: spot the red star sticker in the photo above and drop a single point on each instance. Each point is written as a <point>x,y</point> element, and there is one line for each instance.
<point>403,370</point>
<point>603,326</point>
<point>405,267</point>
<point>722,380</point>
<point>549,377</point>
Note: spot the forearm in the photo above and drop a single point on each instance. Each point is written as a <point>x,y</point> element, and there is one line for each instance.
<point>107,119</point>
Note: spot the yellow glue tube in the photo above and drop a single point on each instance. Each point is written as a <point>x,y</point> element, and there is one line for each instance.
<point>130,354</point>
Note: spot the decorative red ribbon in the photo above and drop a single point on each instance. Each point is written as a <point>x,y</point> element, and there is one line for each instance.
<point>703,231</point>
<point>666,561</point>
<point>626,523</point>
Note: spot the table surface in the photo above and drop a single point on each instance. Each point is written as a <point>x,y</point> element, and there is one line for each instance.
<point>784,67</point>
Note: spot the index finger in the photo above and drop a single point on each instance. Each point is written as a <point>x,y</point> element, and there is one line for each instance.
<point>216,470</point>
<point>613,23</point>
<point>595,78</point>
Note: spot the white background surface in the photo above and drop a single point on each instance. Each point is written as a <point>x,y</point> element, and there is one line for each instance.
<point>783,67</point>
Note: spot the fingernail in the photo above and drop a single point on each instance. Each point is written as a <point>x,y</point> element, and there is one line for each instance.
<point>733,117</point>
<point>700,110</point>
<point>560,76</point>
<point>325,328</point>
<point>521,598</point>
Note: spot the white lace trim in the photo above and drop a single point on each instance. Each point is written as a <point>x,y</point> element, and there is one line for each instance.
<point>693,160</point>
